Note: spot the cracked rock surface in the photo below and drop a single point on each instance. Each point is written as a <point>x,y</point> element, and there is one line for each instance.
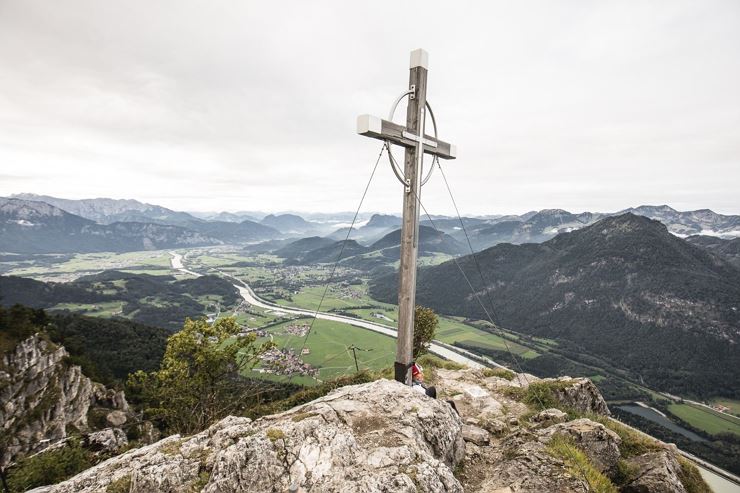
<point>385,437</point>
<point>380,436</point>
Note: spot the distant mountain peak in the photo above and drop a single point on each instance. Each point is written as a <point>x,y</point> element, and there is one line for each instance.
<point>624,227</point>
<point>27,209</point>
<point>287,223</point>
<point>629,218</point>
<point>552,212</point>
<point>383,221</point>
<point>655,209</point>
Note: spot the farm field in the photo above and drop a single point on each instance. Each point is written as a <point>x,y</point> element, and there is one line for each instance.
<point>705,419</point>
<point>104,309</point>
<point>328,343</point>
<point>65,268</point>
<point>451,331</point>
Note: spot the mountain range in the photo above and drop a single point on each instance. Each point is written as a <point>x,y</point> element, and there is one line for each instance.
<point>385,250</point>
<point>539,226</point>
<point>107,211</point>
<point>37,227</point>
<point>623,289</point>
<point>133,225</point>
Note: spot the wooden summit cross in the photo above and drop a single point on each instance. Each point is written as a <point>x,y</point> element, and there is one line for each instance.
<point>416,143</point>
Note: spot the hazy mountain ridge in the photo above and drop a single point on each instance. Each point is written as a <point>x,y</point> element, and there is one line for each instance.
<point>235,232</point>
<point>540,226</point>
<point>375,228</point>
<point>623,288</point>
<point>686,223</point>
<point>387,249</point>
<point>430,240</point>
<point>727,249</point>
<point>288,223</point>
<point>212,228</point>
<point>297,250</point>
<point>38,227</point>
<point>107,211</point>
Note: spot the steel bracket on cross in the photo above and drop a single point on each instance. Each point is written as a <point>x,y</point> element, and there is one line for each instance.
<point>416,143</point>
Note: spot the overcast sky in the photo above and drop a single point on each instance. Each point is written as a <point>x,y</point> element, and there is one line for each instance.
<point>252,105</point>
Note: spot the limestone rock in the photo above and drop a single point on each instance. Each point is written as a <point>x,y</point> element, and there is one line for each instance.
<point>656,472</point>
<point>524,379</point>
<point>380,436</point>
<point>476,435</point>
<point>580,394</point>
<point>476,396</point>
<point>526,466</point>
<point>107,441</point>
<point>383,436</point>
<point>494,426</point>
<point>41,395</point>
<point>550,416</point>
<point>599,443</point>
<point>116,418</point>
<point>147,432</point>
<point>110,398</point>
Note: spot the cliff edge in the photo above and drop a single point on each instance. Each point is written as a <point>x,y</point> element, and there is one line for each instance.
<point>489,431</point>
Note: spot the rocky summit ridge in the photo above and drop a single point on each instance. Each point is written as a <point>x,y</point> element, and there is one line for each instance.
<point>45,398</point>
<point>507,435</point>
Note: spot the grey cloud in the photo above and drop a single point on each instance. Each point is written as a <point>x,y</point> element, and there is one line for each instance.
<point>251,105</point>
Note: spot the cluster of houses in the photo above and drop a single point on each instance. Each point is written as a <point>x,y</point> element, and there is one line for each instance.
<point>253,330</point>
<point>347,293</point>
<point>286,362</point>
<point>721,408</point>
<point>298,329</point>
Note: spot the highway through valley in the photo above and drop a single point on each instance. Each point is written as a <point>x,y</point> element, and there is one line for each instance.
<point>246,292</point>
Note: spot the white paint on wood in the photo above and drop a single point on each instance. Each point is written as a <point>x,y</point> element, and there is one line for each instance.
<point>419,58</point>
<point>369,123</point>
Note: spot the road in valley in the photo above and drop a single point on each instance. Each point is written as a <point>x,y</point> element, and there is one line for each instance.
<point>246,292</point>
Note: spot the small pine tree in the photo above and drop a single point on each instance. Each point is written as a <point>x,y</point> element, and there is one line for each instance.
<point>425,328</point>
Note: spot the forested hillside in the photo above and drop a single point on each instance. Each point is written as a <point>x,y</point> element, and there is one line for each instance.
<point>624,289</point>
<point>154,300</point>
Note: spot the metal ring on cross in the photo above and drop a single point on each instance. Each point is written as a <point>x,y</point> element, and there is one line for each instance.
<point>394,164</point>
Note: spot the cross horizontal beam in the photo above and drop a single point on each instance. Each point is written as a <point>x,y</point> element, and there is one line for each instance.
<point>372,126</point>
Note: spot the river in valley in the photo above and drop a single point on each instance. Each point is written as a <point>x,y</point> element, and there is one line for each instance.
<point>663,421</point>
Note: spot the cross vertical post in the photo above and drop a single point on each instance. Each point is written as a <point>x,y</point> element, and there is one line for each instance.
<point>416,143</point>
<point>415,114</point>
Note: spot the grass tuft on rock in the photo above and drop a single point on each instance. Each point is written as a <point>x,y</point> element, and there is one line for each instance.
<point>120,485</point>
<point>275,434</point>
<point>633,443</point>
<point>563,447</point>
<point>499,372</point>
<point>429,361</point>
<point>201,482</point>
<point>172,448</point>
<point>691,477</point>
